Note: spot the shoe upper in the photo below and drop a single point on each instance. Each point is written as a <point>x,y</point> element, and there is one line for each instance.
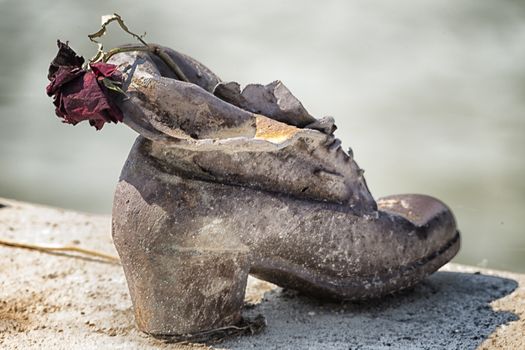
<point>261,137</point>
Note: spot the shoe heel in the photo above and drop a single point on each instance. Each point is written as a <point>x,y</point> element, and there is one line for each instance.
<point>180,282</point>
<point>187,290</point>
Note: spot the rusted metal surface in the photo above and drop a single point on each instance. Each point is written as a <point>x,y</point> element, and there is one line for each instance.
<point>214,189</point>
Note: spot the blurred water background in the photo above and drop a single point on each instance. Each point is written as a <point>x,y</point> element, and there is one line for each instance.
<point>429,94</point>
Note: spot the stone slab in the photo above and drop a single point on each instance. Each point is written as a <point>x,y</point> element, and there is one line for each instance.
<point>62,301</point>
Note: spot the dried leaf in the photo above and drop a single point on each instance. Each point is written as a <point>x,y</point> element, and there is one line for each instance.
<point>106,20</point>
<point>113,85</point>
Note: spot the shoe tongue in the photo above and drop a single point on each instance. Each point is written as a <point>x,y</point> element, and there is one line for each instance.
<point>275,101</point>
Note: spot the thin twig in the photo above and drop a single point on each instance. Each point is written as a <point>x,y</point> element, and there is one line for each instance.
<point>218,334</point>
<point>64,248</point>
<point>155,49</point>
<point>169,62</point>
<point>101,55</point>
<point>118,50</point>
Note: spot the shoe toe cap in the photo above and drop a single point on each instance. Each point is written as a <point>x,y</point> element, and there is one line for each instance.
<point>432,221</point>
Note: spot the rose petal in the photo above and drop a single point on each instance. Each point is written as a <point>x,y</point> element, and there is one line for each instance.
<point>82,95</point>
<point>63,76</point>
<point>65,57</point>
<point>103,69</point>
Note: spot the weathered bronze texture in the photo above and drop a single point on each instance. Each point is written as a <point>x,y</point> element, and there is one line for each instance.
<point>222,183</point>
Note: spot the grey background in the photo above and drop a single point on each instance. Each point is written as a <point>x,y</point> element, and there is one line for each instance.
<point>429,94</point>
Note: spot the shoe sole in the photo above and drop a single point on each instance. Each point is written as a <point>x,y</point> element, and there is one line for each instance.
<point>358,288</point>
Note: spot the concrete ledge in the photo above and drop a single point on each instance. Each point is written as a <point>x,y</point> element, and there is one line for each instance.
<point>56,301</point>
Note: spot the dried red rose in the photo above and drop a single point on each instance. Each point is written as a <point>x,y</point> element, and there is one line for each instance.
<point>81,94</point>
